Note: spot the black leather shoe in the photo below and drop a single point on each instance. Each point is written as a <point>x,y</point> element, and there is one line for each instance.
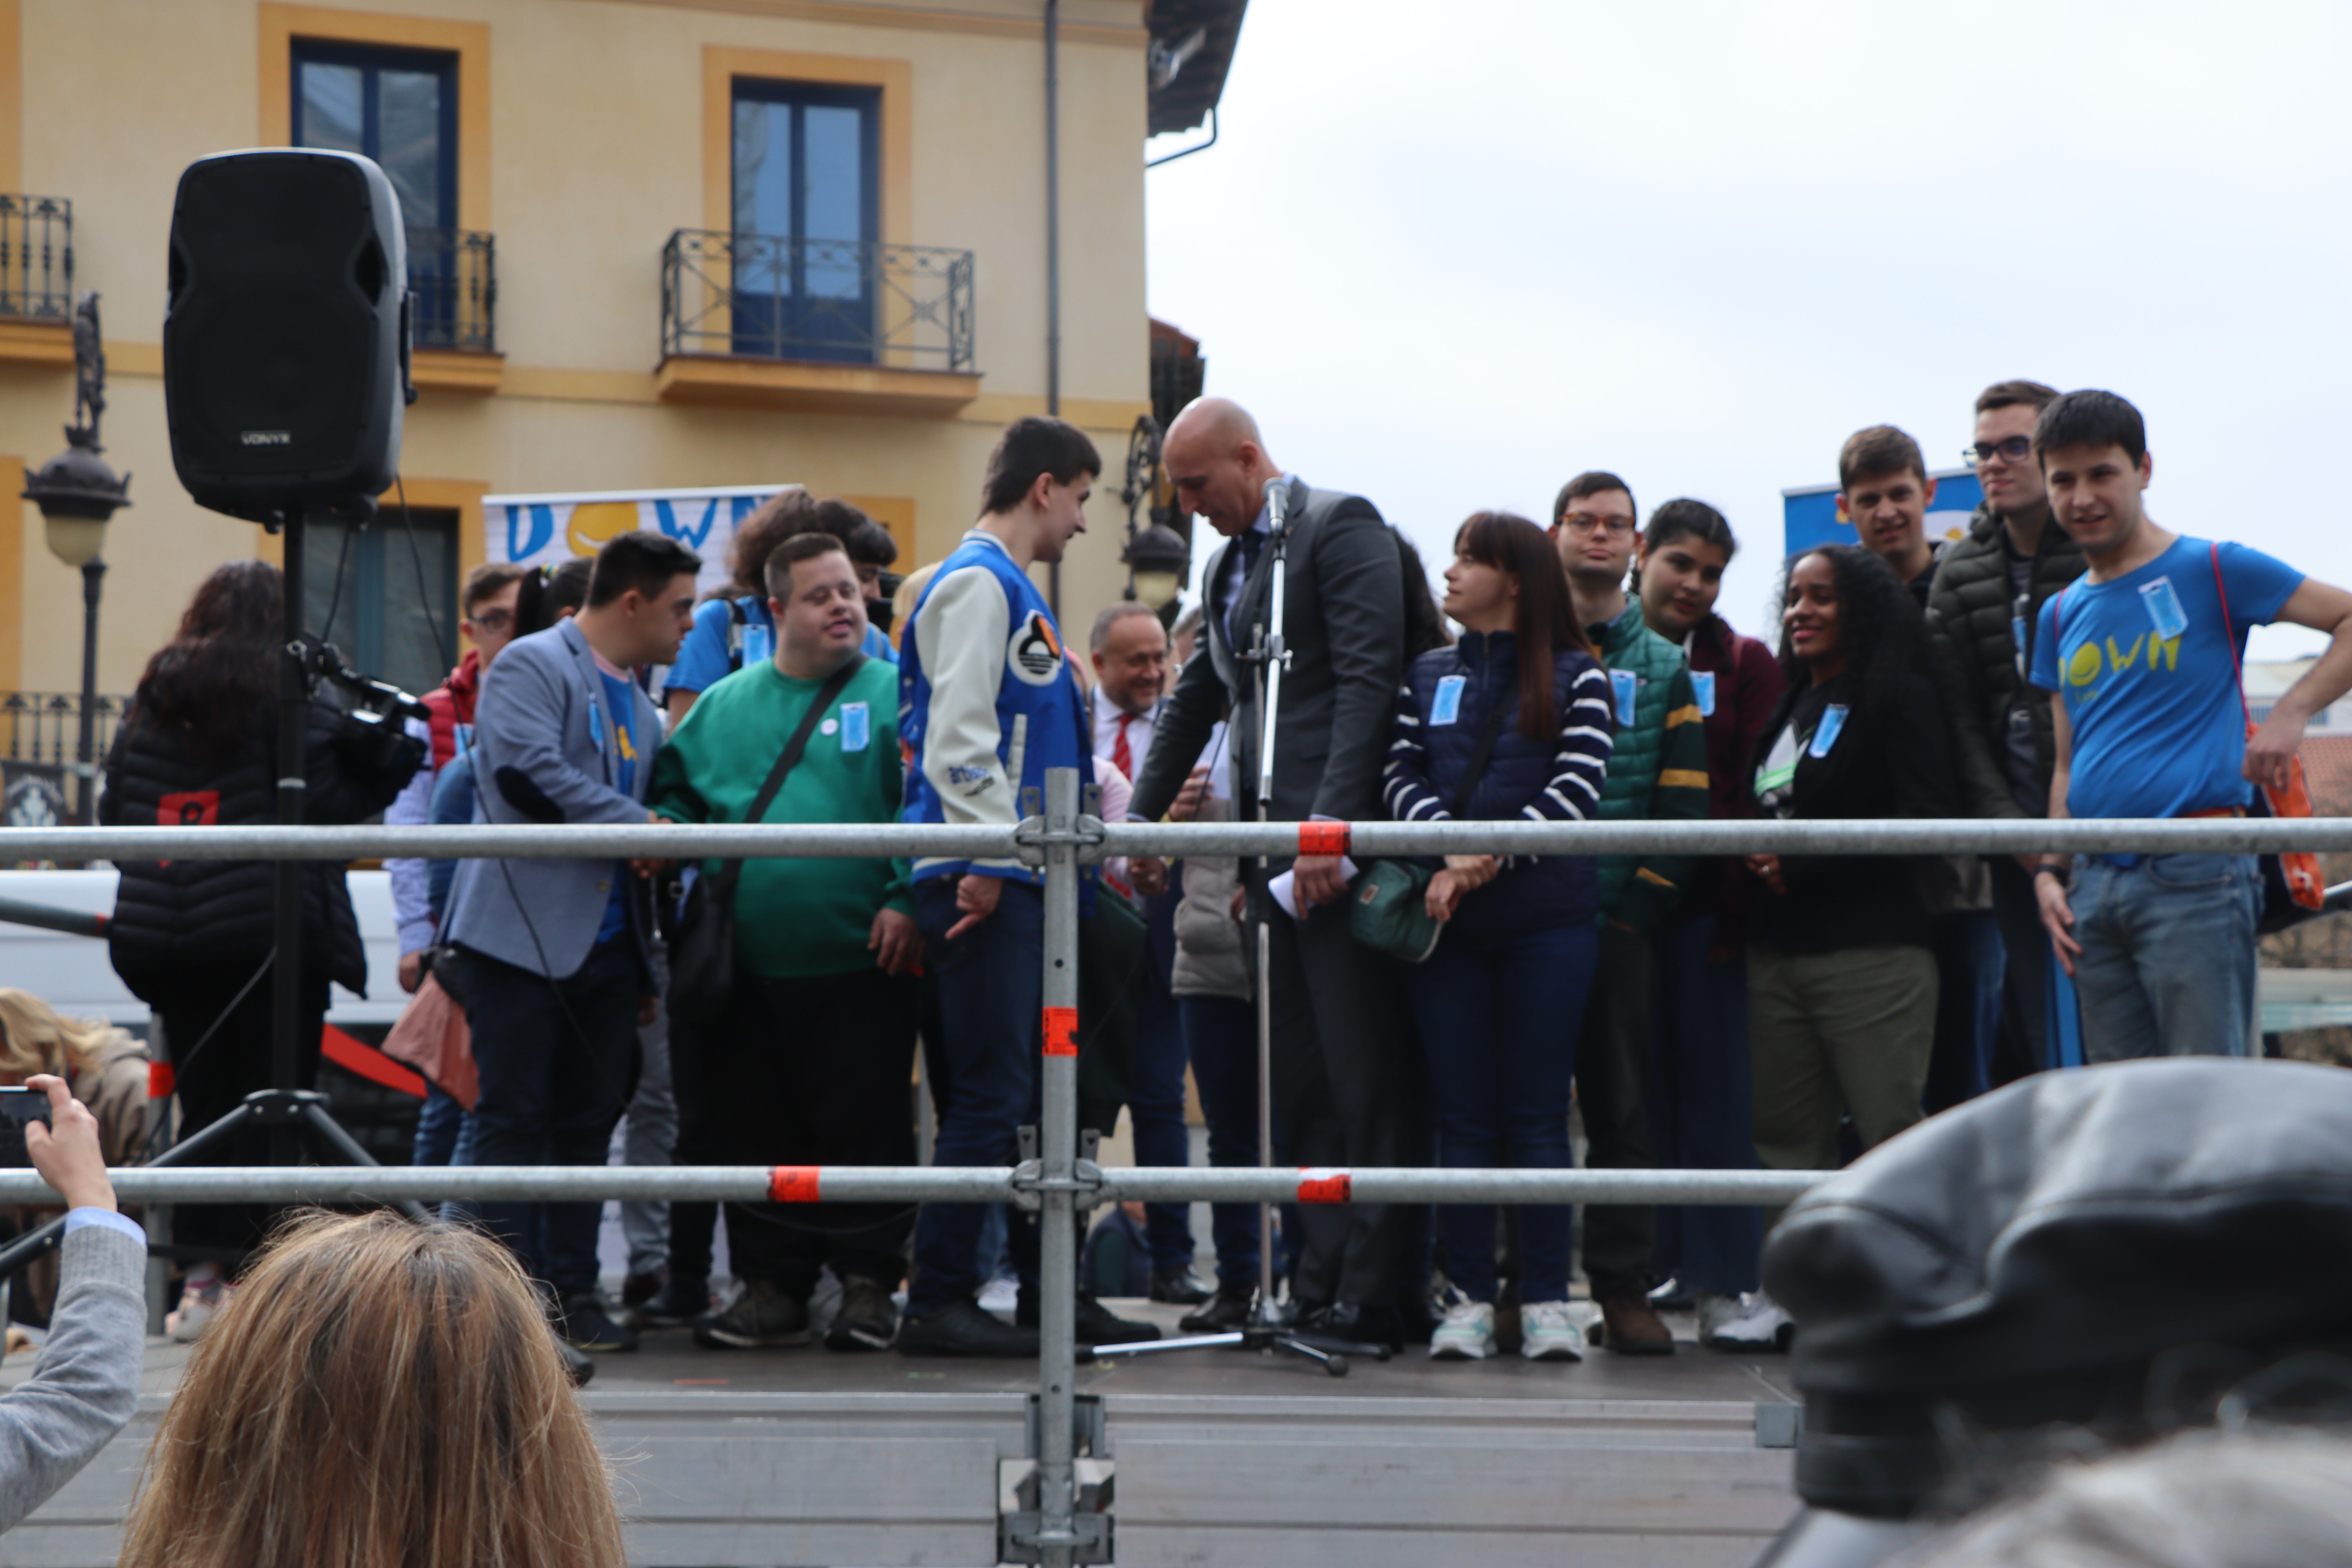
<point>1179,1287</point>
<point>578,1365</point>
<point>1354,1323</point>
<point>1227,1311</point>
<point>961,1328</point>
<point>1098,1325</point>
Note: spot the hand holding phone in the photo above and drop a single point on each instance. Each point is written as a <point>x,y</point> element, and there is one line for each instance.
<point>60,1138</point>
<point>19,1109</point>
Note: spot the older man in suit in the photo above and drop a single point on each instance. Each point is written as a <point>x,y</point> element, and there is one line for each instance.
<point>1339,1042</point>
<point>554,967</point>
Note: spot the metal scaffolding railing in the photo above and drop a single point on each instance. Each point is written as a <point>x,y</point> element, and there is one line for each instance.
<point>1059,1183</point>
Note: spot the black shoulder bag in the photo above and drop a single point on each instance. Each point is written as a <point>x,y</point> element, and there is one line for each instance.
<point>702,959</point>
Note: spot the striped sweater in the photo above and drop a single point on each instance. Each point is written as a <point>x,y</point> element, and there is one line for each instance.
<point>1450,697</point>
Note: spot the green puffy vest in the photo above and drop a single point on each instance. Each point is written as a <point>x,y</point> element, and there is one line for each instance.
<point>1629,793</point>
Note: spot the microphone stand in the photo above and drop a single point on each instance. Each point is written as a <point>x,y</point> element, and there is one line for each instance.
<point>1267,1332</point>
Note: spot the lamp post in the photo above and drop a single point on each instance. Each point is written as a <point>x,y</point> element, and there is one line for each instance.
<point>1156,556</point>
<point>77,493</point>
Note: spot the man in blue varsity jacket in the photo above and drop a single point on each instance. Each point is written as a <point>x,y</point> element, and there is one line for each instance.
<point>988,703</point>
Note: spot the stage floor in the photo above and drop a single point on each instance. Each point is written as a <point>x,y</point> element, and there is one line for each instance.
<point>800,1458</point>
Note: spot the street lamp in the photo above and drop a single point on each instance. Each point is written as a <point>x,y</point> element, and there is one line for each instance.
<point>77,493</point>
<point>1157,556</point>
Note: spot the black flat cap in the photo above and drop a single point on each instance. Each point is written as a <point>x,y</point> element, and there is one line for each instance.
<point>2028,1257</point>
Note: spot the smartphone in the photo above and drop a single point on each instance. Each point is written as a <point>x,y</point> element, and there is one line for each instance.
<point>17,1106</point>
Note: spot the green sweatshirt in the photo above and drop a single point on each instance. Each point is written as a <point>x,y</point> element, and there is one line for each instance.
<point>793,919</point>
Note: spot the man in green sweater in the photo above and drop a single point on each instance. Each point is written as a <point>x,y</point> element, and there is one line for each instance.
<point>1657,772</point>
<point>811,1064</point>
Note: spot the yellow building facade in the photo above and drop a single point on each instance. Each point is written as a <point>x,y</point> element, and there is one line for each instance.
<point>589,136</point>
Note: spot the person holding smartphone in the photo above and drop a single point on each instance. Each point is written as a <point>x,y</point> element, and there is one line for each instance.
<point>86,1383</point>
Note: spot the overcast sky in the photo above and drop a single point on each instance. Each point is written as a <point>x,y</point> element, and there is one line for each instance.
<point>1452,255</point>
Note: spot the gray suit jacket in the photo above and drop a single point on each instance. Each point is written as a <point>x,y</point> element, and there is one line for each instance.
<point>538,758</point>
<point>85,1386</point>
<point>1344,620</point>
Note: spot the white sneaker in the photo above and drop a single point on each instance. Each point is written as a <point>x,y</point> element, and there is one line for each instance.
<point>999,1294</point>
<point>1548,1331</point>
<point>1759,1324</point>
<point>1715,1309</point>
<point>202,1297</point>
<point>1467,1333</point>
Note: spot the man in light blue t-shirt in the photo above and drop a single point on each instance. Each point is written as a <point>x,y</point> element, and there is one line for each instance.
<point>2144,652</point>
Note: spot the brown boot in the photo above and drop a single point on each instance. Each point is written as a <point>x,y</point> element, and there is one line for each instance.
<point>1629,1326</point>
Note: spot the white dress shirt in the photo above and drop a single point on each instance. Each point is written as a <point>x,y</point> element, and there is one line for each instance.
<point>1140,727</point>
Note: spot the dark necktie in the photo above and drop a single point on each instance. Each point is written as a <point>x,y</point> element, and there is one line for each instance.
<point>1251,544</point>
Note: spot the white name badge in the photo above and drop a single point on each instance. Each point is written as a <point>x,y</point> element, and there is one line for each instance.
<point>2164,610</point>
<point>1625,684</point>
<point>855,727</point>
<point>1702,687</point>
<point>1446,706</point>
<point>1826,733</point>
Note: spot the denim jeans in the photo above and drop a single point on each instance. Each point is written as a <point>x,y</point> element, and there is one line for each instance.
<point>649,1131</point>
<point>558,1059</point>
<point>1970,971</point>
<point>436,1128</point>
<point>1155,1098</point>
<point>1220,1037</point>
<point>991,982</point>
<point>2168,961</point>
<point>1700,1117</point>
<point>1499,1021</point>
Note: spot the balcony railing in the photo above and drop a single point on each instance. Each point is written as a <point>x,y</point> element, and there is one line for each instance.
<point>454,274</point>
<point>763,296</point>
<point>37,258</point>
<point>45,726</point>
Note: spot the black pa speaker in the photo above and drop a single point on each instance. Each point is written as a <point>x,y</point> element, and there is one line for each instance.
<point>286,332</point>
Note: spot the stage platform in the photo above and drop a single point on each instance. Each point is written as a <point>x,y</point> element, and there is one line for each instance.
<point>807,1458</point>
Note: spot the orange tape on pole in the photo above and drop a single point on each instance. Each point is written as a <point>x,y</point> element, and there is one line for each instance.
<point>793,1185</point>
<point>1061,1031</point>
<point>1322,838</point>
<point>1322,1186</point>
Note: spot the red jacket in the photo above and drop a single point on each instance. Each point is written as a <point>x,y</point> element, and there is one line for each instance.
<point>1748,685</point>
<point>451,703</point>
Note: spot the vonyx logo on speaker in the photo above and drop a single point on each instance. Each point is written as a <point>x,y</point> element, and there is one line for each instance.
<point>267,438</point>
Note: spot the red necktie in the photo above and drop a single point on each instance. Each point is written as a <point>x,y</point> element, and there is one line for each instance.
<point>1121,756</point>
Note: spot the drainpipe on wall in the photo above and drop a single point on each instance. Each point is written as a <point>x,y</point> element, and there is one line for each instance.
<point>1053,249</point>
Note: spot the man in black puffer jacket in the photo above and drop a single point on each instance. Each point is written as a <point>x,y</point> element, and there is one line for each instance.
<point>192,938</point>
<point>1988,596</point>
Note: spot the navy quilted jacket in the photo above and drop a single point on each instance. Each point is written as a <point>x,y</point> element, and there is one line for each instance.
<point>1555,781</point>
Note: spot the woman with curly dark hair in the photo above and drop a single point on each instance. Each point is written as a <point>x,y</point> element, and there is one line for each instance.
<point>1841,979</point>
<point>194,939</point>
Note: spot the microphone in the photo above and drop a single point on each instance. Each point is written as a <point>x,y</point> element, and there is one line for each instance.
<point>1277,497</point>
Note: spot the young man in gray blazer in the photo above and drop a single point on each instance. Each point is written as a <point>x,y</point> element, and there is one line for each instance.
<point>1340,1042</point>
<point>554,968</point>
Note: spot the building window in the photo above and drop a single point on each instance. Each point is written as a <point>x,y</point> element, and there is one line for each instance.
<point>399,107</point>
<point>804,216</point>
<point>392,612</point>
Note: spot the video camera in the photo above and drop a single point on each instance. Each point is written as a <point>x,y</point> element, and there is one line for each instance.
<point>369,728</point>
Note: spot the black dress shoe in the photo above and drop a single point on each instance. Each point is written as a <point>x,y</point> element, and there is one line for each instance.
<point>578,1365</point>
<point>1355,1323</point>
<point>1179,1287</point>
<point>961,1328</point>
<point>1227,1311</point>
<point>1098,1325</point>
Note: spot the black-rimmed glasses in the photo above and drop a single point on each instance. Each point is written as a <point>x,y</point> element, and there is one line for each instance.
<point>2013,450</point>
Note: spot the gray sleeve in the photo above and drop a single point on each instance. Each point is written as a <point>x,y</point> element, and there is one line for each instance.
<point>519,729</point>
<point>86,1384</point>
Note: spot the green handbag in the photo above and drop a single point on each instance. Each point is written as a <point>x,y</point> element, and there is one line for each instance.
<point>1388,903</point>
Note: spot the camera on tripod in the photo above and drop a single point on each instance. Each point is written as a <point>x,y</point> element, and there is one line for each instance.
<point>368,713</point>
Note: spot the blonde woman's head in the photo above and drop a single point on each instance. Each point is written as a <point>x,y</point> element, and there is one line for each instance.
<point>377,1394</point>
<point>37,1037</point>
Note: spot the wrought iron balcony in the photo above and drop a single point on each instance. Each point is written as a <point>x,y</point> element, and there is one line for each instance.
<point>45,727</point>
<point>763,296</point>
<point>37,258</point>
<point>454,274</point>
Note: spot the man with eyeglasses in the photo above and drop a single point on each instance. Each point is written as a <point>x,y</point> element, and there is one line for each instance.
<point>1982,614</point>
<point>488,603</point>
<point>1657,772</point>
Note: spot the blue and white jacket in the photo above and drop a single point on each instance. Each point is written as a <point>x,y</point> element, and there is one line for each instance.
<point>986,700</point>
<point>1559,781</point>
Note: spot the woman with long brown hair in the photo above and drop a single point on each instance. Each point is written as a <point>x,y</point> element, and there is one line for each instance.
<point>195,938</point>
<point>1512,722</point>
<point>378,1393</point>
